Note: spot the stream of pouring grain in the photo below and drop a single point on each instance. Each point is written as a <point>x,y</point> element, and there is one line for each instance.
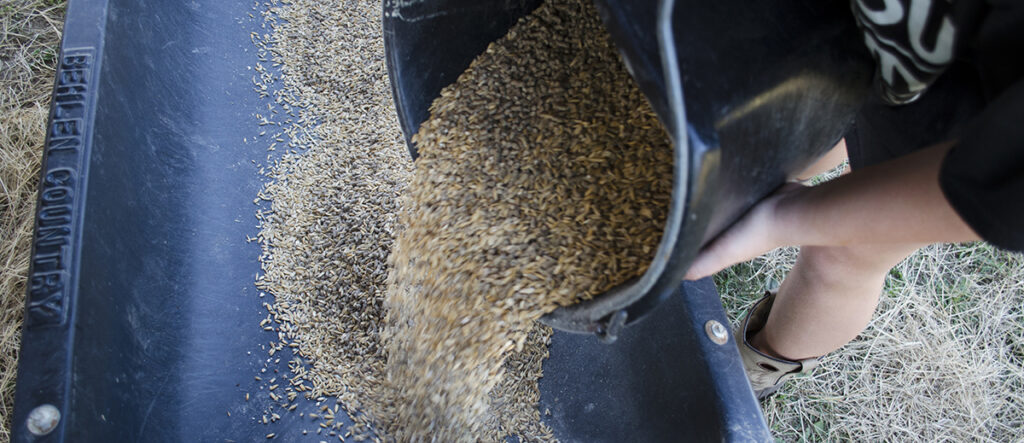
<point>544,178</point>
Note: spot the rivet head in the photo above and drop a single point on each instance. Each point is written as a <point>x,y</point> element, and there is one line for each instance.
<point>716,332</point>
<point>43,419</point>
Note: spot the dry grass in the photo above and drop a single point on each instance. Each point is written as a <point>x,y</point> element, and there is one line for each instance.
<point>942,360</point>
<point>29,37</point>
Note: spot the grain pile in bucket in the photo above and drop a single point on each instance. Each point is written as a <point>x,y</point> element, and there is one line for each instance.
<point>544,178</point>
<point>330,226</point>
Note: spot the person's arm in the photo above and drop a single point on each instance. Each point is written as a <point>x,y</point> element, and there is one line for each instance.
<point>898,201</point>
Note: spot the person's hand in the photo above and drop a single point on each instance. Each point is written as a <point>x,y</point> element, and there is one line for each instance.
<point>898,201</point>
<point>755,233</point>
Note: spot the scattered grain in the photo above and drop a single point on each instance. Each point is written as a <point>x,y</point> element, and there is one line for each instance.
<point>334,200</point>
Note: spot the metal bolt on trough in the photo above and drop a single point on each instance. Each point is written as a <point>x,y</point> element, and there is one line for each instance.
<point>716,332</point>
<point>43,419</point>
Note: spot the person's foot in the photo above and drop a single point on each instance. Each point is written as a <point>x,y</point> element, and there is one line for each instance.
<point>765,372</point>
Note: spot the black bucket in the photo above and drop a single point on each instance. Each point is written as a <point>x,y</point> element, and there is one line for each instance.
<point>750,92</point>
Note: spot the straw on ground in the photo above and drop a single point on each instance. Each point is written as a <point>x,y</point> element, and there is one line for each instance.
<point>29,37</point>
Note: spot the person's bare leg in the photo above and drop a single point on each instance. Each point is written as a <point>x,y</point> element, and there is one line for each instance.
<point>825,163</point>
<point>827,299</point>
